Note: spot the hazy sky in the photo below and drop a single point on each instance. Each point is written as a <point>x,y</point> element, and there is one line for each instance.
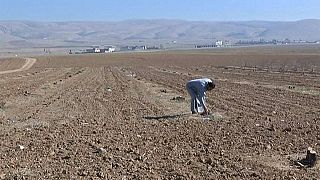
<point>115,10</point>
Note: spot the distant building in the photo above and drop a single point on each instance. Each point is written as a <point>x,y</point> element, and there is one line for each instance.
<point>219,43</point>
<point>97,50</point>
<point>153,47</point>
<point>142,48</point>
<point>133,48</point>
<point>94,49</point>
<point>205,46</point>
<point>91,50</point>
<point>108,49</point>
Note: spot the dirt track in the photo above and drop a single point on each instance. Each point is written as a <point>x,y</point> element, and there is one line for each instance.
<point>112,116</point>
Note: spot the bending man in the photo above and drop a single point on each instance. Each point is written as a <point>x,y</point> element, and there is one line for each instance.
<point>197,89</point>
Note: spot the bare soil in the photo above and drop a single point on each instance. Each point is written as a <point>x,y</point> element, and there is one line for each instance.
<point>11,63</point>
<point>27,65</point>
<point>115,116</point>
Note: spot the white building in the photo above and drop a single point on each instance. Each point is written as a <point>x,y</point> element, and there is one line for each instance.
<point>219,43</point>
<point>97,50</point>
<point>110,49</point>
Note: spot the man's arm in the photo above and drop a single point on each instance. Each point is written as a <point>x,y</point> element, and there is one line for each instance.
<point>202,97</point>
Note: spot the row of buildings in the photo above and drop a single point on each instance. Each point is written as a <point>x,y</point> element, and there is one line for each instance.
<point>274,41</point>
<point>225,43</point>
<point>218,43</point>
<point>96,49</point>
<point>110,49</point>
<point>140,48</point>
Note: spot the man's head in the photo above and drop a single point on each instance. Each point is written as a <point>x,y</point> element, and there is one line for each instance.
<point>211,85</point>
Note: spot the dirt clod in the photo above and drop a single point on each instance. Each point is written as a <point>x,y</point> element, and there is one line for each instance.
<point>2,104</point>
<point>178,98</point>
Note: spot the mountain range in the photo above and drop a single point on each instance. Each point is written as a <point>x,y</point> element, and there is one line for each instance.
<point>21,34</point>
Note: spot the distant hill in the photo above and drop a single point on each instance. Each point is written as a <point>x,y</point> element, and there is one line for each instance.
<point>41,34</point>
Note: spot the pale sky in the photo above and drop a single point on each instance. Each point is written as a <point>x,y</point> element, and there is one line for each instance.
<point>195,10</point>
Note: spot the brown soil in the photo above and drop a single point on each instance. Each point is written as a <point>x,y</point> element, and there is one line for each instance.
<point>112,117</point>
<point>11,64</point>
<point>27,65</point>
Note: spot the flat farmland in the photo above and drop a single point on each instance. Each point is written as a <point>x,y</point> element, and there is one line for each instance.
<point>117,116</point>
<point>10,64</point>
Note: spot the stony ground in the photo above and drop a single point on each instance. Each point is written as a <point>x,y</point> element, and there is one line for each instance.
<point>117,116</point>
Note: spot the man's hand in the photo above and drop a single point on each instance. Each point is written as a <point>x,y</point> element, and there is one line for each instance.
<point>205,112</point>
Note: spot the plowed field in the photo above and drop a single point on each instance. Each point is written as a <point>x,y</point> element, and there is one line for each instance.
<point>116,116</point>
<point>10,64</point>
